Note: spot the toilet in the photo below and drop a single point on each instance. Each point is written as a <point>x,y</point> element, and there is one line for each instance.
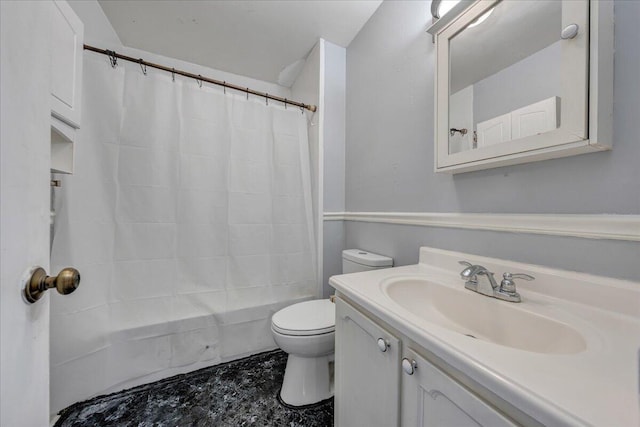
<point>306,332</point>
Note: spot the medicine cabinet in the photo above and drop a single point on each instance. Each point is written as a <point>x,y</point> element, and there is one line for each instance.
<point>522,81</point>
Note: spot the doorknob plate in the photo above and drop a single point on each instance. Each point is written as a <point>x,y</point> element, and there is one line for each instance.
<point>32,291</point>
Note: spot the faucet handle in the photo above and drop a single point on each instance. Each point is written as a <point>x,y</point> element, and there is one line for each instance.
<point>469,272</point>
<point>523,276</point>
<point>508,285</point>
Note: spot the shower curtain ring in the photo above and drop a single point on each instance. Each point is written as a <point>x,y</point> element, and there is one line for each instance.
<point>173,74</point>
<point>143,67</point>
<point>247,94</point>
<point>199,80</point>
<point>224,87</point>
<point>112,58</point>
<point>266,99</point>
<point>285,103</point>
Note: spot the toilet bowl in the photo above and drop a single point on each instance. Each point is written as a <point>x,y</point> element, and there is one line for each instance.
<point>306,332</point>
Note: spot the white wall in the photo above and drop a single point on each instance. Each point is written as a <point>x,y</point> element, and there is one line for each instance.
<point>323,82</point>
<point>309,87</point>
<point>334,158</point>
<point>24,209</point>
<point>97,28</point>
<point>335,63</point>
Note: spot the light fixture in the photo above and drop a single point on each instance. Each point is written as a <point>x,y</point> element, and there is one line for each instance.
<point>481,18</point>
<point>445,11</point>
<point>439,8</point>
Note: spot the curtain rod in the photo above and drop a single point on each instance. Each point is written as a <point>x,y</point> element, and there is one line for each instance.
<point>113,56</point>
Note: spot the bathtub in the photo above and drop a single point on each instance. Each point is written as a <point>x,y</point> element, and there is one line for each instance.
<point>146,353</point>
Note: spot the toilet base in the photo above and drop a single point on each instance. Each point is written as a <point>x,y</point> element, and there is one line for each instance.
<point>307,380</point>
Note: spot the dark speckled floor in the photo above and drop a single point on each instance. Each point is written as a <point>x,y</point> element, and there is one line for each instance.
<point>239,393</point>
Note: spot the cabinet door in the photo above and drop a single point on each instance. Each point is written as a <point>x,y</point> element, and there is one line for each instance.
<point>66,63</point>
<point>432,398</point>
<point>367,378</point>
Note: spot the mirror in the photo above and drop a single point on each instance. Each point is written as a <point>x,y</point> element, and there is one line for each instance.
<point>512,83</point>
<point>504,75</point>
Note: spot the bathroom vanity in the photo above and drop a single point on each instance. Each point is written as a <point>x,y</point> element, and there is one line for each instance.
<point>415,348</point>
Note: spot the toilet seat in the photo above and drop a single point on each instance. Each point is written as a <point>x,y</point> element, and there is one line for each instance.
<point>307,318</point>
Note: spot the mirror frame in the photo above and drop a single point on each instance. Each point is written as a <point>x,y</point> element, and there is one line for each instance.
<point>587,77</point>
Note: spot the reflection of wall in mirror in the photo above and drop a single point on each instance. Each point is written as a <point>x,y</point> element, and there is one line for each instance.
<point>530,80</point>
<point>461,117</point>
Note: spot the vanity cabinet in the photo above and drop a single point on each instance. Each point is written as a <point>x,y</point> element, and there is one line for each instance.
<point>392,385</point>
<point>67,32</point>
<point>430,398</point>
<point>367,375</point>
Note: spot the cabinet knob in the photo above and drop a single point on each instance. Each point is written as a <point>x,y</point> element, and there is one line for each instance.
<point>65,282</point>
<point>409,366</point>
<point>383,344</point>
<point>569,32</point>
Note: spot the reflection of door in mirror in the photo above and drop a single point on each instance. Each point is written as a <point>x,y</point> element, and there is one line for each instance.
<point>505,75</point>
<point>461,119</point>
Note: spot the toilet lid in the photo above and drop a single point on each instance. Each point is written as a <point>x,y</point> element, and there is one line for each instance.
<point>306,318</point>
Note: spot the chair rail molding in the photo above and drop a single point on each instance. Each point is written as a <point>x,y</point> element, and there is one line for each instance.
<point>611,227</point>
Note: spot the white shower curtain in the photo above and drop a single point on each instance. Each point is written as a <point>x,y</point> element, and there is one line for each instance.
<point>189,218</point>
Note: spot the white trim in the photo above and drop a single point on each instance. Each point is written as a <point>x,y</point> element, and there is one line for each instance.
<point>601,52</point>
<point>613,227</point>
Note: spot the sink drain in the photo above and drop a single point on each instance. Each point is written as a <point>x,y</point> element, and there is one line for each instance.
<point>469,335</point>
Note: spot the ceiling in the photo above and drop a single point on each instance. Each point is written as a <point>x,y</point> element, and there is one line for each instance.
<point>257,39</point>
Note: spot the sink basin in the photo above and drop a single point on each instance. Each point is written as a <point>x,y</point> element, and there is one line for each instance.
<point>482,317</point>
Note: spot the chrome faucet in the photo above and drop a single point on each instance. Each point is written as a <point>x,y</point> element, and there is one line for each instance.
<point>471,273</point>
<point>479,279</point>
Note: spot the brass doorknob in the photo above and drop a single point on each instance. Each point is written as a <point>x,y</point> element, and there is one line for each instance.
<point>65,282</point>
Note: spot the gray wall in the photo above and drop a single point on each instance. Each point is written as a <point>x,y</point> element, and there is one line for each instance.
<point>389,156</point>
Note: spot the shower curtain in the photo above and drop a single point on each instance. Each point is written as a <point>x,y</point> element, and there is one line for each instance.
<point>189,217</point>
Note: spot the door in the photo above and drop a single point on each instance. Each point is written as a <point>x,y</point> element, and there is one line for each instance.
<point>24,209</point>
<point>430,398</point>
<point>366,371</point>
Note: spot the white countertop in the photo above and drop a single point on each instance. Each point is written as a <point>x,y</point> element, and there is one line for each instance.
<point>598,386</point>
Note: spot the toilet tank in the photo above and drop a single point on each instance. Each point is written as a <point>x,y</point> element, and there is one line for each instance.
<point>355,260</point>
